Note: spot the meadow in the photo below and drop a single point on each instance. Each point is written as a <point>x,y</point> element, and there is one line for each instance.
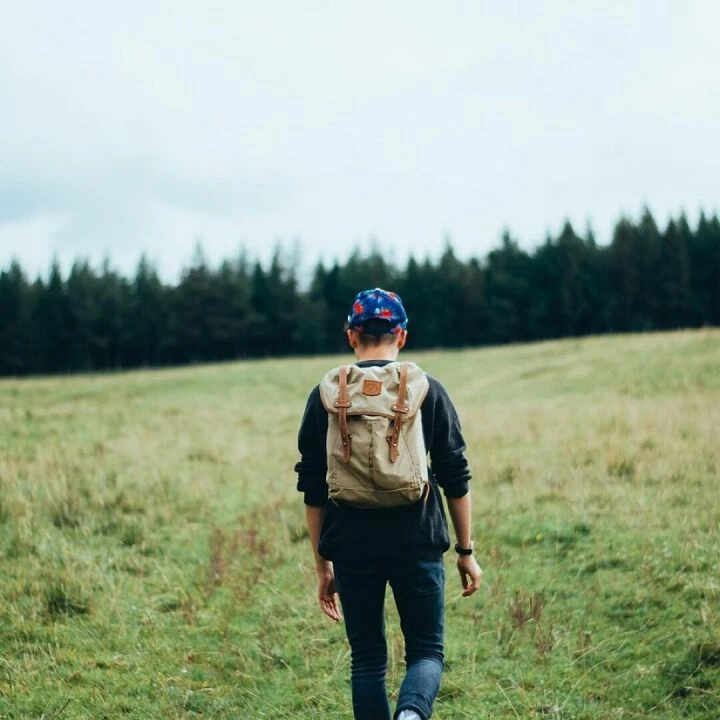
<point>155,562</point>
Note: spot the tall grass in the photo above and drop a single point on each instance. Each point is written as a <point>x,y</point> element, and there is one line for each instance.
<point>155,564</point>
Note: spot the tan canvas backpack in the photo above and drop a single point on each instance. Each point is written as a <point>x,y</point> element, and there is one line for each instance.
<point>375,448</point>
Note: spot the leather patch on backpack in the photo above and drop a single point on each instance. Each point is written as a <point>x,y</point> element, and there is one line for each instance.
<point>372,387</point>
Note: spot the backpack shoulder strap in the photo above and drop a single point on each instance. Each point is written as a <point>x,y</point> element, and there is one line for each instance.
<point>400,409</point>
<point>342,404</point>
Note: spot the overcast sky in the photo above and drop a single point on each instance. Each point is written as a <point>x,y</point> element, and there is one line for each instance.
<point>145,126</point>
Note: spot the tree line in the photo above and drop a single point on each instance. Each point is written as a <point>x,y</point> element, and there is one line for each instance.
<point>97,319</point>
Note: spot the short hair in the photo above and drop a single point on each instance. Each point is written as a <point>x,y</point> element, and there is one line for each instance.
<point>375,332</point>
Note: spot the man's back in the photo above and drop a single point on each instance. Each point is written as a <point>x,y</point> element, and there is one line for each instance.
<point>358,551</point>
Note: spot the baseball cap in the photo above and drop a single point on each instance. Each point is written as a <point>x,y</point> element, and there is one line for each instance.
<point>377,304</point>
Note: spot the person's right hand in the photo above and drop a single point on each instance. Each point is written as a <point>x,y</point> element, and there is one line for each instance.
<point>470,574</point>
<point>327,593</point>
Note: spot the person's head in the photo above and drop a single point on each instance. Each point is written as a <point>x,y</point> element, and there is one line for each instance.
<point>376,325</point>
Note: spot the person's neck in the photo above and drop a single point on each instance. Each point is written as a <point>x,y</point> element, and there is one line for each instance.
<point>378,352</point>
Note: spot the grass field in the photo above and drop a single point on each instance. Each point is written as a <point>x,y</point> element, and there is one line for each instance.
<point>155,564</point>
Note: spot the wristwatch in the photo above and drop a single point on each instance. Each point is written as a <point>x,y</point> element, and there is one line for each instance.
<point>463,551</point>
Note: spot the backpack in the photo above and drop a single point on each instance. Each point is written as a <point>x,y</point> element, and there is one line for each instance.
<point>375,445</point>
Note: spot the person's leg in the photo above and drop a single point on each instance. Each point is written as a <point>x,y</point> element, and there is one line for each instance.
<point>361,586</point>
<point>419,590</point>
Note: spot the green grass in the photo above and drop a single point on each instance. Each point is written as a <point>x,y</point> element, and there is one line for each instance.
<point>155,563</point>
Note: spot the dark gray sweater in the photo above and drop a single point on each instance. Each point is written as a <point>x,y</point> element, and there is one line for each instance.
<point>417,531</point>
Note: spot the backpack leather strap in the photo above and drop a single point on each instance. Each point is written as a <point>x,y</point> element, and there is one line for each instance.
<point>400,408</point>
<point>342,404</point>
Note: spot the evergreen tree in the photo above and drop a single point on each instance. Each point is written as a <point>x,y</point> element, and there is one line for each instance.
<point>112,330</point>
<point>230,309</point>
<point>147,340</point>
<point>15,312</point>
<point>508,293</point>
<point>597,262</point>
<point>626,280</point>
<point>282,304</point>
<point>673,276</point>
<point>572,257</point>
<point>81,290</point>
<point>473,305</point>
<point>50,325</point>
<point>411,290</point>
<point>313,331</point>
<point>428,321</point>
<point>362,272</point>
<point>448,303</point>
<point>704,263</point>
<point>192,303</point>
<point>545,305</point>
<point>648,250</point>
<point>262,310</point>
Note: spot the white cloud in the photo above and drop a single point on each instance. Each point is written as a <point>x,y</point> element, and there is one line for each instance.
<point>147,125</point>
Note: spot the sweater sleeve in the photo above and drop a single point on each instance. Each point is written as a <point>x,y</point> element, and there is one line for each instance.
<point>444,441</point>
<point>312,467</point>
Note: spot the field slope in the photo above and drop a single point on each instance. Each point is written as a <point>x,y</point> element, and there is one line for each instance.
<point>155,565</point>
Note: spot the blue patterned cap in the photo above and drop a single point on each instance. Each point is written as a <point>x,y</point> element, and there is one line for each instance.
<point>378,304</point>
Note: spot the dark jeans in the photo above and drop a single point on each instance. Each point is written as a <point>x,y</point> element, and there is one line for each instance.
<point>418,588</point>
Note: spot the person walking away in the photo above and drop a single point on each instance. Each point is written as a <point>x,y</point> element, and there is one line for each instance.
<point>374,510</point>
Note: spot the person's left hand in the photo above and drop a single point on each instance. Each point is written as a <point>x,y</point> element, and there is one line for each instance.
<point>470,574</point>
